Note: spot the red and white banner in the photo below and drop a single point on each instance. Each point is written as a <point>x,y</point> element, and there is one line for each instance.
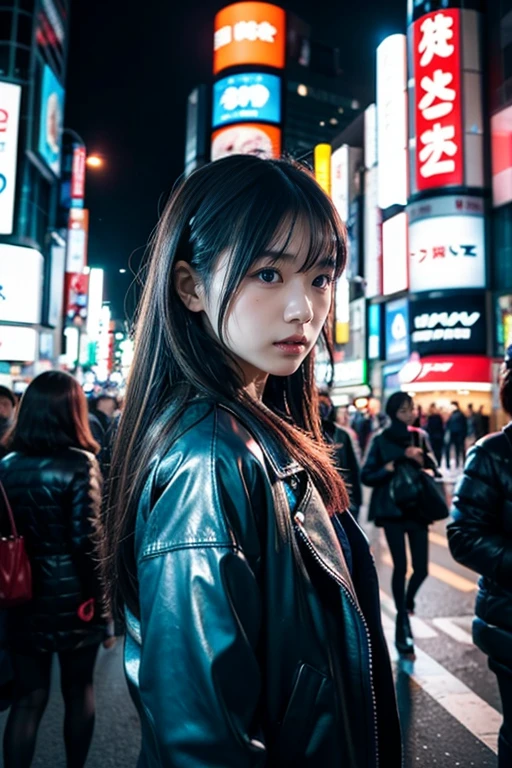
<point>438,100</point>
<point>438,369</point>
<point>78,177</point>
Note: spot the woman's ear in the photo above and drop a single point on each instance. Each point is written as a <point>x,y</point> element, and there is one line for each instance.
<point>188,287</point>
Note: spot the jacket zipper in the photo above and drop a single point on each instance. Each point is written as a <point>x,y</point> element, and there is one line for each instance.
<point>346,589</point>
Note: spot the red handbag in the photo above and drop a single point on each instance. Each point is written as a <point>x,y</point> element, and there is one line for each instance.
<point>15,570</point>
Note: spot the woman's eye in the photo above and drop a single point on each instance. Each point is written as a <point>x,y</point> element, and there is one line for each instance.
<point>268,275</point>
<point>322,281</point>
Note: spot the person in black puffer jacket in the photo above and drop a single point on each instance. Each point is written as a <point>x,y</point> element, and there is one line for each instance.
<point>480,537</point>
<point>53,482</point>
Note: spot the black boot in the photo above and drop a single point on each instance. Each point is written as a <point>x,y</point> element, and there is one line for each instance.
<point>403,635</point>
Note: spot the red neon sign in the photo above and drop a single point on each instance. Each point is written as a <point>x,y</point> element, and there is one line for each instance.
<point>437,72</point>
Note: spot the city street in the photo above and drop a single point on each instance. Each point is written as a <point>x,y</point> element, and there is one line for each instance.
<point>448,699</point>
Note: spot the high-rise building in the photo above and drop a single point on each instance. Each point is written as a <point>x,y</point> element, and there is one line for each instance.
<point>33,55</point>
<point>274,89</point>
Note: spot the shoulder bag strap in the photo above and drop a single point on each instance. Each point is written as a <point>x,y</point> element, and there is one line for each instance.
<point>14,531</point>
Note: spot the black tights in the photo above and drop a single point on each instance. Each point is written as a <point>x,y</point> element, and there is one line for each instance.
<point>418,544</point>
<point>31,690</point>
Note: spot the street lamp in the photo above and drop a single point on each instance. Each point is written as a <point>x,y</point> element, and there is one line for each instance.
<point>94,161</point>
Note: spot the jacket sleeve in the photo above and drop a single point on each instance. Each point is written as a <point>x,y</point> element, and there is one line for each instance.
<point>373,472</point>
<point>200,614</point>
<point>85,523</point>
<point>475,536</point>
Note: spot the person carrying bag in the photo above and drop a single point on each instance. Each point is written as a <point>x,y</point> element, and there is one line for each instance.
<point>399,467</point>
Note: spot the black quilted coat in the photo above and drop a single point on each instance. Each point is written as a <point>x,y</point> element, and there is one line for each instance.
<point>56,503</point>
<point>480,537</point>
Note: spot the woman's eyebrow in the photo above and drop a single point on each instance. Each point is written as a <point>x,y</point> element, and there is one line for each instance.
<point>328,262</point>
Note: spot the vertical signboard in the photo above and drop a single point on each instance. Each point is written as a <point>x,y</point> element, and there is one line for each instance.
<point>78,177</point>
<point>51,120</point>
<point>395,255</point>
<point>322,160</point>
<point>439,160</point>
<point>10,97</point>
<point>76,256</point>
<point>392,120</point>
<point>372,235</point>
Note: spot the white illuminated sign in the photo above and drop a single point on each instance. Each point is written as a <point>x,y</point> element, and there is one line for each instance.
<point>10,96</point>
<point>392,120</point>
<point>447,252</point>
<point>370,136</point>
<point>441,326</point>
<point>372,235</point>
<point>18,344</point>
<point>340,181</point>
<point>21,284</point>
<point>394,254</point>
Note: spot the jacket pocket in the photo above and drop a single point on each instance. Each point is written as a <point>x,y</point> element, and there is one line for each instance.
<point>300,716</point>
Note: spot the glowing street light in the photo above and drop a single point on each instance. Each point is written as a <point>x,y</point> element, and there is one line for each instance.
<point>94,161</point>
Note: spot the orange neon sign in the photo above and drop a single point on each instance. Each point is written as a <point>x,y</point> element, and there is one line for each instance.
<point>249,33</point>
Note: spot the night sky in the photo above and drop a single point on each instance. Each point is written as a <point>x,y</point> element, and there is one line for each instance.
<point>129,75</point>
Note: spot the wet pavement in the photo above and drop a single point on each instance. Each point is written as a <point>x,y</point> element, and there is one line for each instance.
<point>448,699</point>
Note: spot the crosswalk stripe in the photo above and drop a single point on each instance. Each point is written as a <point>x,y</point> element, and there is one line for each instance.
<point>449,627</point>
<point>482,720</point>
<point>441,573</point>
<point>436,538</point>
<point>419,628</point>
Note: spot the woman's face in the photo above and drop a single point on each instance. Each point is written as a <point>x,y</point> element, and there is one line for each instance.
<point>406,413</point>
<point>278,312</point>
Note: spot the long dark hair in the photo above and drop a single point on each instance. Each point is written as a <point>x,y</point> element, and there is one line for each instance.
<point>52,415</point>
<point>236,205</point>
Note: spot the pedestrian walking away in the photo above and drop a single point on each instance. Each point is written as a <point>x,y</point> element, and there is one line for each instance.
<point>480,537</point>
<point>251,602</point>
<point>435,431</point>
<point>401,448</point>
<point>53,483</point>
<point>456,433</point>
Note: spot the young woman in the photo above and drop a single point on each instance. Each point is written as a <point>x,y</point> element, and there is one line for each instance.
<point>252,611</point>
<point>480,537</point>
<point>53,484</point>
<point>396,442</point>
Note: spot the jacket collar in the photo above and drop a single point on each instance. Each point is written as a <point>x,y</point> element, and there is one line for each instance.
<point>282,464</point>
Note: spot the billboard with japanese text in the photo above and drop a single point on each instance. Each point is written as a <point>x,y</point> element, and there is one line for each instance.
<point>249,33</point>
<point>447,244</point>
<point>10,99</point>
<point>439,154</point>
<point>250,96</point>
<point>449,324</point>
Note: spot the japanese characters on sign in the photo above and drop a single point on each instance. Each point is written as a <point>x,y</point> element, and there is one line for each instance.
<point>10,98</point>
<point>447,252</point>
<point>247,97</point>
<point>437,72</point>
<point>249,33</point>
<point>449,324</point>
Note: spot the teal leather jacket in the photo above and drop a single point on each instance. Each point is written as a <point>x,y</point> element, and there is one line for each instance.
<point>254,647</point>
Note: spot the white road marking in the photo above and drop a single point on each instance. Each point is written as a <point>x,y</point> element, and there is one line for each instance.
<point>436,538</point>
<point>451,628</point>
<point>419,628</point>
<point>480,719</point>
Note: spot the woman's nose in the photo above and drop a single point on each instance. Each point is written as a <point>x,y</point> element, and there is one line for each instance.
<point>299,309</point>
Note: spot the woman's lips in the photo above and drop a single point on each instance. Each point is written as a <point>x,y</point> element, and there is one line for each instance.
<point>291,347</point>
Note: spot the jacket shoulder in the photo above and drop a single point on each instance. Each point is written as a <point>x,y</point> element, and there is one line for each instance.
<point>204,490</point>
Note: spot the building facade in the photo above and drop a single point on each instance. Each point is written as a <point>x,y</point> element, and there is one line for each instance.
<point>33,57</point>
